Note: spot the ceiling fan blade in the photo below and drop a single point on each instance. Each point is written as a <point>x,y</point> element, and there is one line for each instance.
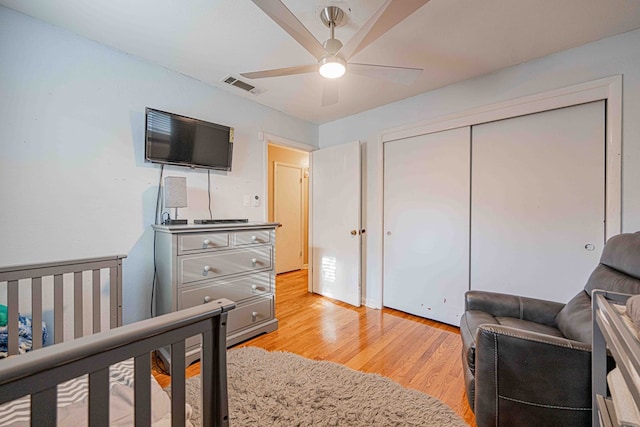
<point>277,72</point>
<point>277,11</point>
<point>329,92</point>
<point>390,13</point>
<point>402,75</point>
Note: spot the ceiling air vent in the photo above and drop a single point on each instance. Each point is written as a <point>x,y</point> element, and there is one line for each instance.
<point>230,80</point>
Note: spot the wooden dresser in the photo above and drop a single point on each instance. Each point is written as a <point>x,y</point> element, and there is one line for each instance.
<point>197,263</point>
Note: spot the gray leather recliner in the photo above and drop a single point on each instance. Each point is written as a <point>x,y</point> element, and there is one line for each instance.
<point>527,362</point>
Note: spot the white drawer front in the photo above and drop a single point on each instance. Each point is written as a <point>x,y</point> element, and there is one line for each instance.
<point>236,290</point>
<point>252,237</point>
<point>250,314</point>
<point>195,268</point>
<point>202,241</point>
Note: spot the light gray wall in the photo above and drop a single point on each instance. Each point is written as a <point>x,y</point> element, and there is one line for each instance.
<point>74,180</point>
<point>608,57</point>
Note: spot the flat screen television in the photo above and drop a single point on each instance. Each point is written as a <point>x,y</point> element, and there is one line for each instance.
<point>184,141</point>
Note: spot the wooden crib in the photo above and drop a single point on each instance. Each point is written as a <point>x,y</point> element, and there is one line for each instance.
<point>92,351</point>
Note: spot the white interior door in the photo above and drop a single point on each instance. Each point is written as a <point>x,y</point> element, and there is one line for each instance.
<point>287,210</point>
<point>538,202</point>
<point>335,214</point>
<point>426,223</point>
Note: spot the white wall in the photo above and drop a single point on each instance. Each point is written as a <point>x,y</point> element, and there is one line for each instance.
<point>74,180</point>
<point>608,57</point>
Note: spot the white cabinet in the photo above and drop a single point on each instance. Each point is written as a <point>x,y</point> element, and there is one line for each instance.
<point>612,331</point>
<point>196,264</point>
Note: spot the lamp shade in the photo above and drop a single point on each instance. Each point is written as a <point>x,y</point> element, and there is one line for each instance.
<point>175,192</point>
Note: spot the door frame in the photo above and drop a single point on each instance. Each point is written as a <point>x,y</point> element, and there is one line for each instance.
<point>608,89</point>
<point>266,139</point>
<point>301,207</point>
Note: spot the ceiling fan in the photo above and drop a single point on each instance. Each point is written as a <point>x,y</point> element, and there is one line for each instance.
<point>332,55</point>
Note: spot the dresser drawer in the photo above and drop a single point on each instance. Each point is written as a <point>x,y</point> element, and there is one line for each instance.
<point>202,241</point>
<point>250,314</point>
<point>194,268</point>
<point>252,237</point>
<point>235,289</point>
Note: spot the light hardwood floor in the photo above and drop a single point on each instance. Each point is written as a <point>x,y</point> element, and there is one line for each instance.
<point>418,353</point>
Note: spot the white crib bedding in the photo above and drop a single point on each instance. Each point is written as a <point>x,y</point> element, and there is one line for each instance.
<point>73,401</point>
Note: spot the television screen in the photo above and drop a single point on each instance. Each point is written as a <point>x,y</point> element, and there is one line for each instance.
<point>178,140</point>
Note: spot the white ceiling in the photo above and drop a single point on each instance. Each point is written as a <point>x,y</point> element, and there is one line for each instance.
<point>452,40</point>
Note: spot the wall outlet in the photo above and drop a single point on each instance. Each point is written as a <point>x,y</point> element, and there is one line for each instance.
<point>246,200</point>
<point>256,200</point>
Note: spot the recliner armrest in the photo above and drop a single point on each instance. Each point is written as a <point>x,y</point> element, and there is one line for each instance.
<point>505,305</point>
<point>523,376</point>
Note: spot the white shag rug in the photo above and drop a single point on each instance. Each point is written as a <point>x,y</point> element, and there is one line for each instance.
<point>284,389</point>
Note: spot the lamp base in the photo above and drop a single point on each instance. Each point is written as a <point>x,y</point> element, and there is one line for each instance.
<point>175,222</point>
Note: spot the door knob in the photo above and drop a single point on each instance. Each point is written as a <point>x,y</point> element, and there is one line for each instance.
<point>354,232</point>
<point>590,247</point>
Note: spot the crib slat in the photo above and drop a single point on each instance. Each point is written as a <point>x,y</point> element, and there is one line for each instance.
<point>206,381</point>
<point>58,306</point>
<point>12,317</point>
<point>213,376</point>
<point>142,390</point>
<point>99,398</point>
<point>44,411</point>
<point>113,299</point>
<point>96,301</point>
<point>36,311</point>
<point>78,318</point>
<point>178,395</point>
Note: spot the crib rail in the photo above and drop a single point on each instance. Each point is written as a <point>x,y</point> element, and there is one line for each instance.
<point>36,272</point>
<point>38,373</point>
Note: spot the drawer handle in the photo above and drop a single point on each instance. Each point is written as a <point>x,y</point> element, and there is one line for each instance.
<point>255,239</point>
<point>207,299</point>
<point>206,243</point>
<point>254,287</point>
<point>254,261</point>
<point>254,316</point>
<point>206,270</point>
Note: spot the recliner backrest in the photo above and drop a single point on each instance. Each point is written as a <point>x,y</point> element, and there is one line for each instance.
<point>619,268</point>
<point>618,271</point>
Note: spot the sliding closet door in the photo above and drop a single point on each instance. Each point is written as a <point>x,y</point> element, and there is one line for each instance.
<point>538,202</point>
<point>426,223</point>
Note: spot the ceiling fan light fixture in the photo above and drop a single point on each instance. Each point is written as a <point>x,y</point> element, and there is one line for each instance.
<point>332,67</point>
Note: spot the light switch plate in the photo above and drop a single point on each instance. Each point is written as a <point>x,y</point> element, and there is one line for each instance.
<point>246,200</point>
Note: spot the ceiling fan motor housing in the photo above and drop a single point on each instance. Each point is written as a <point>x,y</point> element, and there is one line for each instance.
<point>332,46</point>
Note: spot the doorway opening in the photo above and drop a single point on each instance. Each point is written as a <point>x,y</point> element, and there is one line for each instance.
<point>288,204</point>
